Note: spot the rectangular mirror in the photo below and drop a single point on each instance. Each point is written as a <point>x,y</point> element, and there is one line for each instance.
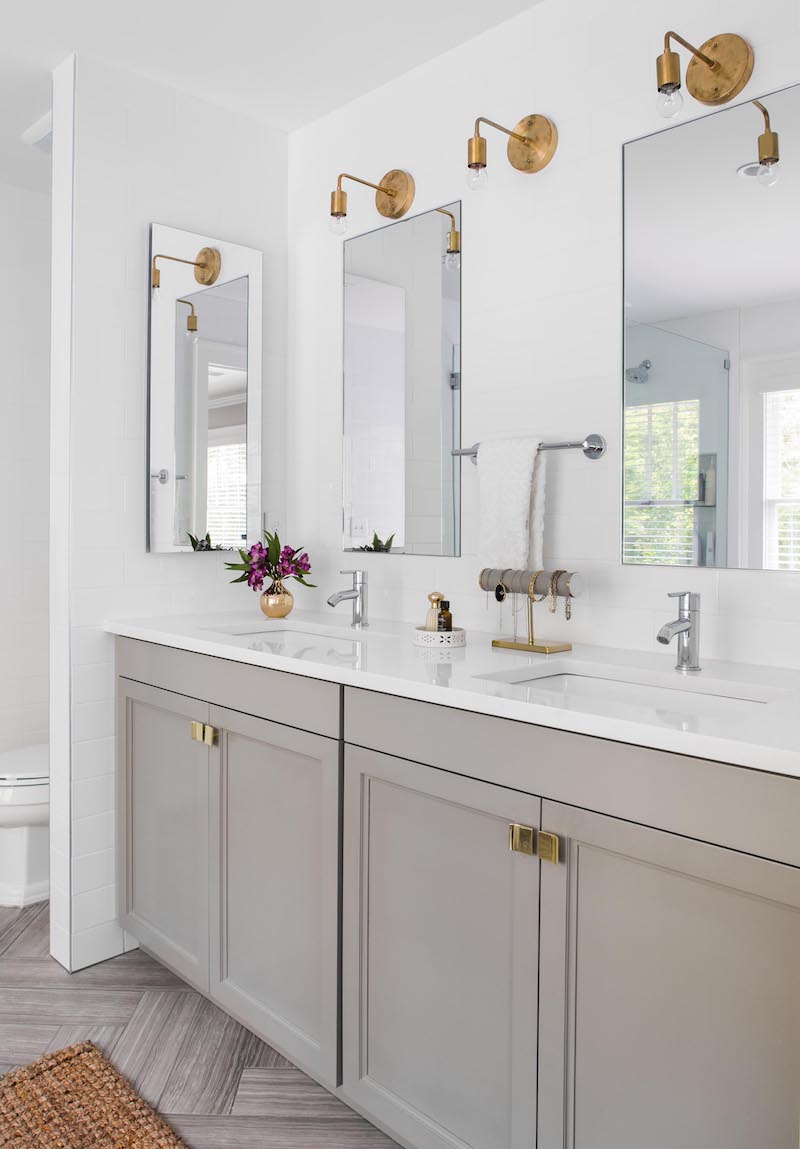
<point>402,387</point>
<point>712,342</point>
<point>204,396</point>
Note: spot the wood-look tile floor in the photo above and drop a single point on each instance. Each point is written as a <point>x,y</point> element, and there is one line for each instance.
<point>216,1083</point>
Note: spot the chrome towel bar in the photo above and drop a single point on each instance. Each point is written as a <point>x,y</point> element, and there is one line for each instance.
<point>593,447</point>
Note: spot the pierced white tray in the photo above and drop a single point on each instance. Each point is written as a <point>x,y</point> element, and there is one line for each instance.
<point>440,638</point>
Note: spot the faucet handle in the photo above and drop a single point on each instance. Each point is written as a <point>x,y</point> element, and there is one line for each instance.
<point>689,600</point>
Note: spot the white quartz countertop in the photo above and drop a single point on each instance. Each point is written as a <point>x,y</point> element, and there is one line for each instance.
<point>730,712</point>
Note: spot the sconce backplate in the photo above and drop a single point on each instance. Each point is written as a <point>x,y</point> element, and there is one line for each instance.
<point>211,262</point>
<point>543,136</point>
<point>720,85</point>
<point>402,184</point>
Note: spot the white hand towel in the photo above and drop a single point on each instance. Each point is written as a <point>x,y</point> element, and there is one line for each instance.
<point>512,486</point>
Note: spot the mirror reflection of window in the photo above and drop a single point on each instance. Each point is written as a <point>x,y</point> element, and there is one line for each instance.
<point>402,388</point>
<point>711,372</point>
<point>211,418</point>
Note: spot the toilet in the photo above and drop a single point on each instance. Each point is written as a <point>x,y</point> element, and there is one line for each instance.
<point>24,825</point>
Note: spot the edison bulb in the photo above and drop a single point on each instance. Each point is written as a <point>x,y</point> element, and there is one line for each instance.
<point>669,103</point>
<point>768,175</point>
<point>452,260</point>
<point>477,179</point>
<point>155,294</point>
<point>338,224</point>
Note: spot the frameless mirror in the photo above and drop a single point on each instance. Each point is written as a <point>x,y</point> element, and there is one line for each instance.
<point>402,386</point>
<point>712,341</point>
<point>204,397</point>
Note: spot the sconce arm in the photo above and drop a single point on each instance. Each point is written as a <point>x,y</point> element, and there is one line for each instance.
<point>155,275</point>
<point>758,104</point>
<point>712,64</point>
<point>189,304</point>
<point>366,183</point>
<point>491,124</point>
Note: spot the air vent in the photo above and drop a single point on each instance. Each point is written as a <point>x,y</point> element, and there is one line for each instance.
<point>40,134</point>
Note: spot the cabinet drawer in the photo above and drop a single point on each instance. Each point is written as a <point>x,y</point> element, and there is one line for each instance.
<point>732,806</point>
<point>305,703</point>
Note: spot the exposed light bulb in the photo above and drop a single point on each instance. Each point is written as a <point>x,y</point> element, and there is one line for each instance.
<point>156,292</point>
<point>338,224</point>
<point>477,179</point>
<point>768,175</point>
<point>669,103</point>
<point>452,260</point>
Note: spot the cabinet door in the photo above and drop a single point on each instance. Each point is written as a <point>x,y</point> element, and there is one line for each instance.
<point>439,956</point>
<point>670,992</point>
<point>163,859</point>
<point>275,885</point>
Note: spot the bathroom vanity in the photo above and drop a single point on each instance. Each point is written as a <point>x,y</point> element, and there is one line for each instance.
<point>428,886</point>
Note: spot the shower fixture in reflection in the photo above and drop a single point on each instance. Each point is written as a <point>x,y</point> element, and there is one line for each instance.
<point>640,374</point>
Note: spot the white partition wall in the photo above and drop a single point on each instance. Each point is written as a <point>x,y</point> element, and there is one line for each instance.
<point>143,152</point>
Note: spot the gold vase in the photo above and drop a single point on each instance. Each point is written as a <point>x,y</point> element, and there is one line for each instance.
<point>277,601</point>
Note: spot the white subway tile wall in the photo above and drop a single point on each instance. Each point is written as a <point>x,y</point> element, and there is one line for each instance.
<point>24,464</point>
<point>542,304</point>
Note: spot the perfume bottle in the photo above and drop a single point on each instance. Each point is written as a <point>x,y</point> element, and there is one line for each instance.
<point>445,618</point>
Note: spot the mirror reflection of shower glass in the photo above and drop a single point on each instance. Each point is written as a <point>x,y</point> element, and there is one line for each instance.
<point>711,375</point>
<point>211,416</point>
<point>402,388</point>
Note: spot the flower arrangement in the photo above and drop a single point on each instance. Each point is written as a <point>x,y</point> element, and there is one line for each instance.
<point>271,564</point>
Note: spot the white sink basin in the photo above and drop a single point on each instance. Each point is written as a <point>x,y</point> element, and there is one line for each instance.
<point>603,689</point>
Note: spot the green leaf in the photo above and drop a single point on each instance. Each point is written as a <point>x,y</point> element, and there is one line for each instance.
<point>241,578</point>
<point>273,550</point>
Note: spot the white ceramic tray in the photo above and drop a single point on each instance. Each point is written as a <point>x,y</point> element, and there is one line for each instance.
<point>440,638</point>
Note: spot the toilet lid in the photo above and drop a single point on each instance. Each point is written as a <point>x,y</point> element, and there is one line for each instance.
<point>25,766</point>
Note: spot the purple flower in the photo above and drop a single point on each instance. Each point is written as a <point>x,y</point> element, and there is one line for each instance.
<point>303,563</point>
<point>255,578</point>
<point>286,568</point>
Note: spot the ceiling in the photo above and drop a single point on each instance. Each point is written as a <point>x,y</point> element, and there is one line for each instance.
<point>698,236</point>
<point>285,64</point>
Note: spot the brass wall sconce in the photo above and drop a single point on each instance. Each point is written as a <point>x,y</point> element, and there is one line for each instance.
<point>531,146</point>
<point>191,318</point>
<point>206,268</point>
<point>452,255</point>
<point>718,71</point>
<point>394,195</point>
<point>767,170</point>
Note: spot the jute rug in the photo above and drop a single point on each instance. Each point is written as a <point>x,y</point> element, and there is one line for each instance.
<point>74,1099</point>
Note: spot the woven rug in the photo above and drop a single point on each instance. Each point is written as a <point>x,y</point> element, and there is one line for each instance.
<point>74,1099</point>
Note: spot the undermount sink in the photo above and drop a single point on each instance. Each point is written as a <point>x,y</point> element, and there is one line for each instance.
<point>602,688</point>
<point>281,631</point>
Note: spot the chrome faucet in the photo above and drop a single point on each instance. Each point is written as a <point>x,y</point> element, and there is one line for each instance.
<point>687,627</point>
<point>358,596</point>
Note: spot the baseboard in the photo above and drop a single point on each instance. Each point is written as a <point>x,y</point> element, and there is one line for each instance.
<point>21,896</point>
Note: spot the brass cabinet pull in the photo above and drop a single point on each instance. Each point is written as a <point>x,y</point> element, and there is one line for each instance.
<point>202,732</point>
<point>547,847</point>
<point>535,843</point>
<point>521,838</point>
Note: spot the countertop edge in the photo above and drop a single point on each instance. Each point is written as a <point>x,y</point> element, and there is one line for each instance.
<point>773,760</point>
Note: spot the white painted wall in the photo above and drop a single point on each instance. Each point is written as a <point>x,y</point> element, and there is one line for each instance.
<point>143,152</point>
<point>542,303</point>
<point>24,462</point>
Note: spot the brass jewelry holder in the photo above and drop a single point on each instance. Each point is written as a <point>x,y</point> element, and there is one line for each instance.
<point>530,583</point>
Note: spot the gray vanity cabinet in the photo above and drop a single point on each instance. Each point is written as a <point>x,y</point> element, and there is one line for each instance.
<point>229,846</point>
<point>275,885</point>
<point>164,824</point>
<point>440,928</point>
<point>669,991</point>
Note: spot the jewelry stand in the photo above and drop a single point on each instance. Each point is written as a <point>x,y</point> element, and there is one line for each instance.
<point>529,583</point>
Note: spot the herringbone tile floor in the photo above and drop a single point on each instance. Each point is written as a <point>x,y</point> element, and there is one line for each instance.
<point>216,1083</point>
